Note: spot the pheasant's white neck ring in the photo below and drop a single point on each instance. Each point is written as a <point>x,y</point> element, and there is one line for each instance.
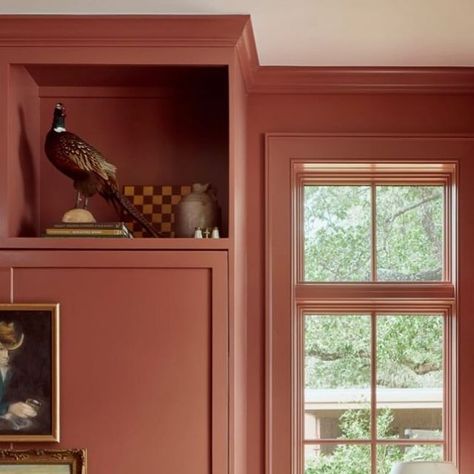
<point>59,129</point>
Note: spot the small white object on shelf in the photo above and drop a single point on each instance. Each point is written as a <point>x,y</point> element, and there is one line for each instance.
<point>198,233</point>
<point>215,233</point>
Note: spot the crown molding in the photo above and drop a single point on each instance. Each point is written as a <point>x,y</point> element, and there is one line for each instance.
<point>247,55</point>
<point>122,30</point>
<point>347,80</point>
<point>233,32</point>
<point>354,80</point>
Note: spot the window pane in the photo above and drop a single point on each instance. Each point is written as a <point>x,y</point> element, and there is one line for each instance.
<point>337,459</point>
<point>337,376</point>
<point>337,235</point>
<point>389,455</point>
<point>410,233</point>
<point>409,376</point>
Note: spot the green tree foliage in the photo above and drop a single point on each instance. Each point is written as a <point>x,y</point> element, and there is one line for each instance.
<point>409,246</point>
<point>337,351</point>
<point>409,233</point>
<point>409,351</point>
<point>356,458</point>
<point>337,355</point>
<point>337,233</point>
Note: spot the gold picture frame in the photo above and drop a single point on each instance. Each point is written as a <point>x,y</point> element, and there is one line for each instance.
<point>29,372</point>
<point>43,461</point>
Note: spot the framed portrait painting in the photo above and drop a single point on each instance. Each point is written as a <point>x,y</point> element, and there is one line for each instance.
<point>29,371</point>
<point>43,461</point>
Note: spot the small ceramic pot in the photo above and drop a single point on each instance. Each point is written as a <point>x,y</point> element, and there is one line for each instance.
<point>197,209</point>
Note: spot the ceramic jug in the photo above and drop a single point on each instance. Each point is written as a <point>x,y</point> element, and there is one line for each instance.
<point>197,209</point>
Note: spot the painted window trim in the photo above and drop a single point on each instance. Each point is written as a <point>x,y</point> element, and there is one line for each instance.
<point>290,155</point>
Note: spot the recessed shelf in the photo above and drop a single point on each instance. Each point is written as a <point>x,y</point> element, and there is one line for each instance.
<point>159,124</point>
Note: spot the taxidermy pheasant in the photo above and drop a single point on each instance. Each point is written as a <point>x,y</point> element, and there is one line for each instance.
<point>87,167</point>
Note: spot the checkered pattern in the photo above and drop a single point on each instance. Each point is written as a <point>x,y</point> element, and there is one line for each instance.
<point>157,204</point>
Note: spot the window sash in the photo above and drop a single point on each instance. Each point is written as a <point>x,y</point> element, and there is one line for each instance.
<point>326,176</point>
<point>446,310</point>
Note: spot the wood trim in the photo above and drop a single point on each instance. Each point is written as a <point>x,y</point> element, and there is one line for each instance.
<point>373,392</point>
<point>368,441</point>
<point>228,31</point>
<point>361,80</point>
<point>383,147</point>
<point>121,30</point>
<point>297,389</point>
<point>248,56</point>
<point>113,259</point>
<point>282,151</point>
<point>289,137</point>
<point>4,131</point>
<point>369,171</point>
<point>452,390</point>
<point>369,291</point>
<point>90,243</point>
<point>279,298</point>
<point>268,250</point>
<point>347,80</point>
<point>220,362</point>
<point>260,79</point>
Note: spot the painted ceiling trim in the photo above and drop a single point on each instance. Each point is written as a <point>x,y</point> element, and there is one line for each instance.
<point>236,33</point>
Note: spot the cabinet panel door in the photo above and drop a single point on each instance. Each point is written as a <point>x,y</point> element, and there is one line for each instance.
<point>143,354</point>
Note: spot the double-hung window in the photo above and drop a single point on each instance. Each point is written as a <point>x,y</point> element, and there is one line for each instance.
<point>370,317</point>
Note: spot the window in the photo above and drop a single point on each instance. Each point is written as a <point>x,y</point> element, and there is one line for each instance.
<point>361,302</point>
<point>371,376</point>
<point>370,232</point>
<point>350,420</point>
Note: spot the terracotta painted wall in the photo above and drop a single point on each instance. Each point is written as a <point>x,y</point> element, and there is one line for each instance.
<point>362,113</point>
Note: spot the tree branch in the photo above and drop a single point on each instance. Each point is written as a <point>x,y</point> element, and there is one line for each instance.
<point>332,356</point>
<point>409,208</point>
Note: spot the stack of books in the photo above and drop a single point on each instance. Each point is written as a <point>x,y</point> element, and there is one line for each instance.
<point>117,230</point>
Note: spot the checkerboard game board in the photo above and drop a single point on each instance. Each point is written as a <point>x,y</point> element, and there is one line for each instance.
<point>157,203</point>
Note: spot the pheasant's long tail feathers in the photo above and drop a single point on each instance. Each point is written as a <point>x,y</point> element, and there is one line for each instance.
<point>119,200</point>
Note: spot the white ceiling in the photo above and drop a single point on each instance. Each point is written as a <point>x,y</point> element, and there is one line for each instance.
<point>318,32</point>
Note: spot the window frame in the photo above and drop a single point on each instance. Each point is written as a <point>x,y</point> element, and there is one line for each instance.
<point>389,294</point>
<point>408,173</point>
<point>288,159</point>
<point>379,308</point>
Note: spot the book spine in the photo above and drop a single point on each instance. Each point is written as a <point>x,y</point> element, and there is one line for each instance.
<point>85,232</point>
<point>89,225</point>
<point>86,236</point>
